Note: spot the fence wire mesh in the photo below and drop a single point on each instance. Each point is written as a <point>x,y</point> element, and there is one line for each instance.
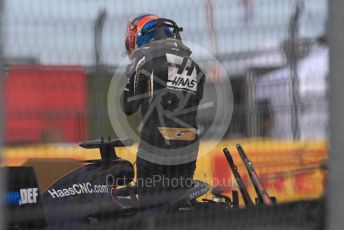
<point>266,68</point>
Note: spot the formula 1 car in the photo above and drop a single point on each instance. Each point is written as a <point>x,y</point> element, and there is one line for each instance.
<point>102,189</point>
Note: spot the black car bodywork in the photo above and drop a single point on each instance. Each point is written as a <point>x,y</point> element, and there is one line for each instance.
<point>99,189</point>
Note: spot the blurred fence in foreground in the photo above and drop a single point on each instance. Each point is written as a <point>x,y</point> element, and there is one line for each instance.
<point>58,67</point>
<point>264,48</point>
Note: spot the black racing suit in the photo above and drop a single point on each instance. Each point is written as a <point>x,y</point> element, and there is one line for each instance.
<point>168,85</point>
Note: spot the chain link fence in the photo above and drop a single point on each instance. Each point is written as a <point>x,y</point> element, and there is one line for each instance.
<point>59,58</point>
<point>249,39</point>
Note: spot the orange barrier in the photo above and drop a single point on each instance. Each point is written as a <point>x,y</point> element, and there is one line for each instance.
<point>289,170</point>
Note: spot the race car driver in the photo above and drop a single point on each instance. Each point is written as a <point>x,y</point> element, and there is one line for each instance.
<point>167,85</point>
